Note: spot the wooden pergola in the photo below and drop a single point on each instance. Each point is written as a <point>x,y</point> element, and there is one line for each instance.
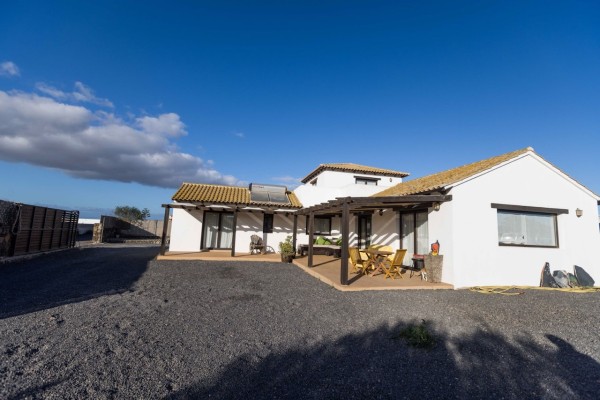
<point>346,205</point>
<point>340,206</point>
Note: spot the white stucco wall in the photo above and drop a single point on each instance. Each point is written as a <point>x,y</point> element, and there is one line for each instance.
<point>186,230</point>
<point>249,224</point>
<point>332,184</point>
<point>385,229</point>
<point>467,227</point>
<point>441,227</point>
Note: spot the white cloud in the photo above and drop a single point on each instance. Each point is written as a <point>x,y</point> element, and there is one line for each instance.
<point>81,94</point>
<point>165,124</point>
<point>239,134</point>
<point>289,181</point>
<point>42,131</point>
<point>9,68</point>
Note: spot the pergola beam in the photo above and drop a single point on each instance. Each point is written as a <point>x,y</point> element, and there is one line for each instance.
<point>355,203</point>
<point>311,238</point>
<point>235,215</point>
<point>345,242</point>
<point>163,239</point>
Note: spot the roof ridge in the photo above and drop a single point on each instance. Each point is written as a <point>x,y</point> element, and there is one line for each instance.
<point>366,169</point>
<point>213,184</point>
<point>519,152</point>
<point>450,176</point>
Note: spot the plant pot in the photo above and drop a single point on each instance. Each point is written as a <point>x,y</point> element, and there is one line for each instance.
<point>287,258</point>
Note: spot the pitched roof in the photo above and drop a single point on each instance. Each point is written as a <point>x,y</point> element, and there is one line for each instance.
<point>449,177</point>
<point>350,167</point>
<point>221,194</point>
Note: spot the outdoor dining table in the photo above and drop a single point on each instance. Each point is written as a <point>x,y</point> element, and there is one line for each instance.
<point>376,258</point>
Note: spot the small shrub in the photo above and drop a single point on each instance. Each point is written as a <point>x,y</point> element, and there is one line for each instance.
<point>286,247</point>
<point>417,336</point>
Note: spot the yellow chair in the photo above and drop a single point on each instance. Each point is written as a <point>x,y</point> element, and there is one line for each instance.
<point>360,263</point>
<point>393,265</point>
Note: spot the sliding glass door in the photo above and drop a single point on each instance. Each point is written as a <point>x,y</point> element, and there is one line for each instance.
<point>218,230</point>
<point>414,233</point>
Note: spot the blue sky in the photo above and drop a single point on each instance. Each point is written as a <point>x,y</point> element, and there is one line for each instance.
<point>115,103</point>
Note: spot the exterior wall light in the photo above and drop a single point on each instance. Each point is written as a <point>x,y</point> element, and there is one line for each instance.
<point>380,212</point>
<point>436,206</point>
<point>579,212</point>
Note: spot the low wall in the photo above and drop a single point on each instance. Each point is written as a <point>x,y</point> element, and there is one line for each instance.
<point>113,228</point>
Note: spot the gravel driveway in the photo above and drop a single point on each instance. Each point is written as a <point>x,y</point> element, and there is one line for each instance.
<point>109,322</point>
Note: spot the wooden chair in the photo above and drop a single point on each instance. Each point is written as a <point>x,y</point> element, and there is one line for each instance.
<point>393,265</point>
<point>359,264</point>
<point>375,262</point>
<point>256,244</point>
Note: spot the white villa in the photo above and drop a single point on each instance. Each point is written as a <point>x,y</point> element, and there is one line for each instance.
<point>497,220</point>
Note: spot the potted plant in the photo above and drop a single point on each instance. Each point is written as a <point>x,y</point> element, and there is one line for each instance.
<point>287,250</point>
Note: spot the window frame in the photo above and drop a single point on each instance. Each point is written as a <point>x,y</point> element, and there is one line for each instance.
<point>366,180</point>
<point>268,223</point>
<point>324,217</point>
<point>527,210</point>
<point>414,228</point>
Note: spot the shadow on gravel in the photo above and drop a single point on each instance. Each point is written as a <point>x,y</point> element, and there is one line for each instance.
<point>378,364</point>
<point>70,276</point>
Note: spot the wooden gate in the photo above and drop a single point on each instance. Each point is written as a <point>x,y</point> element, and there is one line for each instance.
<point>42,229</point>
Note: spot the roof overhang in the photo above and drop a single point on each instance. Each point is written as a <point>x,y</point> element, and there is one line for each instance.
<point>350,168</point>
<point>358,204</point>
<point>232,207</point>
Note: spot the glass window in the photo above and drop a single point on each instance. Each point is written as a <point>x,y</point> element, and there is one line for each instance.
<point>322,225</point>
<point>518,228</point>
<point>268,223</point>
<point>408,233</point>
<point>217,230</point>
<point>415,233</point>
<point>422,231</point>
<point>364,231</point>
<point>366,181</point>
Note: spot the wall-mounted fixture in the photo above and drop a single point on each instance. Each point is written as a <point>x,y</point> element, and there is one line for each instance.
<point>579,212</point>
<point>380,212</point>
<point>436,206</point>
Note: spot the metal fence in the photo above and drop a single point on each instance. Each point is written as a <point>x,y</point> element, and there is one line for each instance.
<point>35,229</point>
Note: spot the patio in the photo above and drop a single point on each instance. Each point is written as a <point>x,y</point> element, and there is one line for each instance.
<point>325,268</point>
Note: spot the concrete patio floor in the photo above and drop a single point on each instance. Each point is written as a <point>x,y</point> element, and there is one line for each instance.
<point>325,268</point>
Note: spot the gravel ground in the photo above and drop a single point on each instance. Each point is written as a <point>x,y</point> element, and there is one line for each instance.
<point>109,322</point>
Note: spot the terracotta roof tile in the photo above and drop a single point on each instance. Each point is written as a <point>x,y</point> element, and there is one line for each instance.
<point>449,177</point>
<point>350,167</point>
<point>221,194</point>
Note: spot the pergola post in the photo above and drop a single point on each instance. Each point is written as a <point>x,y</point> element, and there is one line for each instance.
<point>311,238</point>
<point>163,239</point>
<point>345,240</point>
<point>235,215</point>
<point>294,231</point>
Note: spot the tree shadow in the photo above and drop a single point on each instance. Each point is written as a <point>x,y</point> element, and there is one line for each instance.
<point>69,276</point>
<point>378,364</point>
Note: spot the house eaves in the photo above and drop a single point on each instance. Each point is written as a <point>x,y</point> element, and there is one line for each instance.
<point>227,195</point>
<point>354,168</point>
